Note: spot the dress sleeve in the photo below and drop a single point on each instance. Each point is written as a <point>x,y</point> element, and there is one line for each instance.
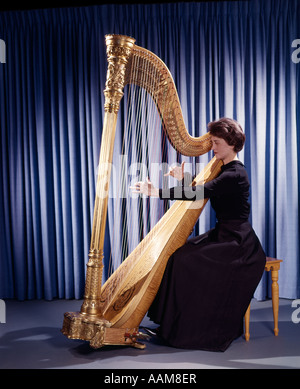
<point>188,193</point>
<point>224,184</point>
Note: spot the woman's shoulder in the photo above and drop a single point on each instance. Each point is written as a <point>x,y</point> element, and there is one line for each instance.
<point>235,169</point>
<point>235,164</point>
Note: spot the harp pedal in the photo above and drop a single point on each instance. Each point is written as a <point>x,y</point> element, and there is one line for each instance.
<point>133,339</point>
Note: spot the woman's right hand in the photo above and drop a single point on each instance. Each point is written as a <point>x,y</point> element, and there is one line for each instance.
<point>177,172</point>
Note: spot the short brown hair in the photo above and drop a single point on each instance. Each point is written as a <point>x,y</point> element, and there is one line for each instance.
<point>229,130</point>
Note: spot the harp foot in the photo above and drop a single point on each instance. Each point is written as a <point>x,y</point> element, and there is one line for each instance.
<point>79,326</point>
<point>99,332</point>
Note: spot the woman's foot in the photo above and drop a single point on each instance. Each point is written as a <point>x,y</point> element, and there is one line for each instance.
<point>151,331</point>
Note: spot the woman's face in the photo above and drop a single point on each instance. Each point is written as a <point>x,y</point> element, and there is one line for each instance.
<point>222,150</point>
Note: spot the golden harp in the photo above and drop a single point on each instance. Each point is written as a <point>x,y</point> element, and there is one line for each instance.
<point>111,314</point>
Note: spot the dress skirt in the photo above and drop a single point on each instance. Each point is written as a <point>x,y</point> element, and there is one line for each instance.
<point>207,287</point>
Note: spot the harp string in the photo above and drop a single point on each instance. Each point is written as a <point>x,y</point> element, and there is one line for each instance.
<point>143,142</point>
<point>125,219</point>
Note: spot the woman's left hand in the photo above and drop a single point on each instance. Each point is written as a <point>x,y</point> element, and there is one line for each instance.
<point>146,188</point>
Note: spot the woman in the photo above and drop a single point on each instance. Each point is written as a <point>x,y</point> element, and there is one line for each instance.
<point>209,282</point>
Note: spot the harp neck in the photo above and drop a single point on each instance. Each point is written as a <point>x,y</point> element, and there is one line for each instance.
<point>131,64</point>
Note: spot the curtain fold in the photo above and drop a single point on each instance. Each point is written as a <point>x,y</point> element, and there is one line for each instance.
<point>230,58</point>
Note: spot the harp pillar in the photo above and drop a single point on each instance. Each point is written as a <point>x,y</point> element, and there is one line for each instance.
<point>89,324</point>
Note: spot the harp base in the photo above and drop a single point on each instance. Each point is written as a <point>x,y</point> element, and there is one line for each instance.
<point>99,332</point>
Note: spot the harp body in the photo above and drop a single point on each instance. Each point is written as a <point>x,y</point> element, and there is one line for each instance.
<point>112,313</point>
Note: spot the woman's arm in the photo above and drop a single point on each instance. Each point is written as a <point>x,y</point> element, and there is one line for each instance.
<point>180,192</point>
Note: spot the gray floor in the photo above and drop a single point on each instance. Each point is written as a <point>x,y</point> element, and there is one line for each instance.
<point>31,339</point>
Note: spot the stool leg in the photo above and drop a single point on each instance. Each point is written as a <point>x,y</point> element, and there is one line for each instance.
<point>247,323</point>
<point>275,299</point>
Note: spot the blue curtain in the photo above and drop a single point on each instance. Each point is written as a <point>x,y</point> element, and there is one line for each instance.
<point>232,58</point>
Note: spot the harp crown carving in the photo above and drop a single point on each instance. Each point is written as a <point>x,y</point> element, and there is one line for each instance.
<point>118,51</point>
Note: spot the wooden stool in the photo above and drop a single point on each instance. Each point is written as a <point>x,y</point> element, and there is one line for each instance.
<point>273,265</point>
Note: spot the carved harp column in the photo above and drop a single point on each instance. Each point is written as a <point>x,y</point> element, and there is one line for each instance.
<point>89,323</point>
<point>118,52</point>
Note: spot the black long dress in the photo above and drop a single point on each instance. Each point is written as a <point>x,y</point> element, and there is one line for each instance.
<point>209,282</point>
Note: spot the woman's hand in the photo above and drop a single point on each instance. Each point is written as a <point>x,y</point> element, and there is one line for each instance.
<point>177,172</point>
<point>146,188</point>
